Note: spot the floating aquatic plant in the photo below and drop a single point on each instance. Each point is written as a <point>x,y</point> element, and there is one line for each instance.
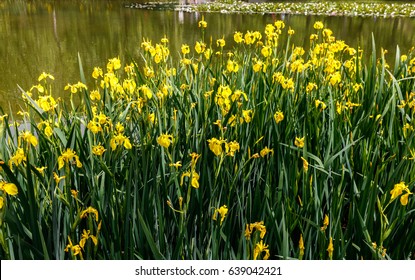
<point>326,8</point>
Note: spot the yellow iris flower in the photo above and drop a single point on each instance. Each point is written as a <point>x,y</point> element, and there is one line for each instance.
<point>68,156</point>
<point>318,25</point>
<point>238,37</point>
<point>265,151</point>
<point>330,248</point>
<point>17,158</point>
<point>215,145</point>
<point>185,49</point>
<point>223,211</point>
<point>278,116</point>
<point>9,188</point>
<point>259,226</point>
<point>194,178</point>
<point>231,148</point>
<point>202,23</point>
<point>97,72</point>
<point>89,210</point>
<point>397,190</point>
<point>165,140</point>
<point>98,150</point>
<point>119,140</point>
<point>29,138</point>
<point>299,142</point>
<point>176,164</point>
<point>259,248</point>
<point>305,164</point>
<point>301,247</point>
<point>86,234</point>
<point>325,222</point>
<point>45,75</point>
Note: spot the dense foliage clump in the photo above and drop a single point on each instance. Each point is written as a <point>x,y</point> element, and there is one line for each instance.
<point>262,150</point>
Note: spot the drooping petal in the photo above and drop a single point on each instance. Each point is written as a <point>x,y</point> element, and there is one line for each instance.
<point>61,162</point>
<point>10,188</point>
<point>404,199</point>
<point>94,240</point>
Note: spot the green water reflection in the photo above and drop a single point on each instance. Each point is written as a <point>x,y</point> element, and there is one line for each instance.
<point>39,36</point>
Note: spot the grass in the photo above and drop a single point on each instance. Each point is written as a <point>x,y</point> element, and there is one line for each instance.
<point>256,151</point>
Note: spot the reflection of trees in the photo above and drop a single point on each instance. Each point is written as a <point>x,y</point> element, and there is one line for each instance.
<point>55,29</point>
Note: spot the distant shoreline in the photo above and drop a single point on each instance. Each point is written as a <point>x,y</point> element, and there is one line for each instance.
<point>325,8</point>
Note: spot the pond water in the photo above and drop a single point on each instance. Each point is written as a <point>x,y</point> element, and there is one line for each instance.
<point>39,36</point>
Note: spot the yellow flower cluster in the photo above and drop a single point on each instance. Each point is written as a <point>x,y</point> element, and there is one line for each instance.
<point>232,66</point>
<point>348,106</point>
<point>45,100</point>
<point>74,88</point>
<point>76,250</point>
<point>257,93</point>
<point>260,247</point>
<point>330,248</point>
<point>18,158</point>
<point>411,67</point>
<point>47,128</point>
<point>113,64</point>
<point>380,250</point>
<point>225,98</point>
<point>119,139</point>
<point>409,102</point>
<point>28,137</point>
<point>215,145</point>
<point>191,174</point>
<point>99,121</point>
<point>249,38</point>
<point>286,83</point>
<point>159,52</point>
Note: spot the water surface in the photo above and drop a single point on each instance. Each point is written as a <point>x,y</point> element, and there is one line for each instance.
<point>39,36</point>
